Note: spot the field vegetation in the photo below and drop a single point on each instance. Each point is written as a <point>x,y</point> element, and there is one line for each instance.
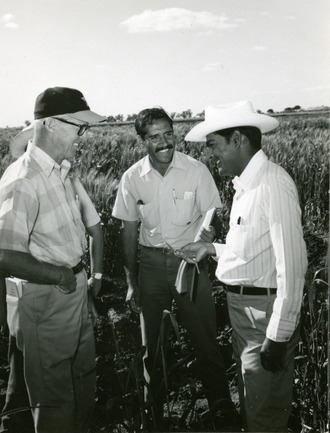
<point>300,145</point>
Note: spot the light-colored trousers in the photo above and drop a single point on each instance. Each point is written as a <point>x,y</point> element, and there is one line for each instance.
<point>55,334</point>
<point>265,397</point>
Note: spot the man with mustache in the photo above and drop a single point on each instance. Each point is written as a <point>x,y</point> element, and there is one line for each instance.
<point>169,192</point>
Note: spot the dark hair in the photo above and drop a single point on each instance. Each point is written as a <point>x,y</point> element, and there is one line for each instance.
<point>147,116</point>
<point>251,132</point>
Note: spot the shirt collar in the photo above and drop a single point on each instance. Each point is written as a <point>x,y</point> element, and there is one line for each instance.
<point>175,163</point>
<point>242,182</point>
<point>46,162</point>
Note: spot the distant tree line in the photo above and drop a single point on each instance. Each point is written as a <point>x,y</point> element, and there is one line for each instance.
<point>188,114</point>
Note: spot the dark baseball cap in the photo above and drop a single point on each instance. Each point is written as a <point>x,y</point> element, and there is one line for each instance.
<point>56,101</point>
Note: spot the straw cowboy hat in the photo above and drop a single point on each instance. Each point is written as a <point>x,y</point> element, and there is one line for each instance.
<point>219,117</point>
<point>55,101</point>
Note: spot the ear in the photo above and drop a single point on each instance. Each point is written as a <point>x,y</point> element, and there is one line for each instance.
<point>50,123</point>
<point>237,138</point>
<point>142,141</point>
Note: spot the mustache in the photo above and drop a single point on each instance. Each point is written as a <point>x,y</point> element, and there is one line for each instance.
<point>168,147</point>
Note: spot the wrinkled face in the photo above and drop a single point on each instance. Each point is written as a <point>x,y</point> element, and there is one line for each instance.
<point>225,154</point>
<point>160,144</point>
<point>67,139</point>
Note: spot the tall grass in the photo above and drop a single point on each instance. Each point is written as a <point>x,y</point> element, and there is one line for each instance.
<point>301,146</point>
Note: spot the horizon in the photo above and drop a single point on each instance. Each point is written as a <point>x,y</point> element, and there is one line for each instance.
<point>126,56</point>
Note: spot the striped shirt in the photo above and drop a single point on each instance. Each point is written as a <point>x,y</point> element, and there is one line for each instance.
<point>40,210</point>
<point>265,246</point>
<point>170,207</point>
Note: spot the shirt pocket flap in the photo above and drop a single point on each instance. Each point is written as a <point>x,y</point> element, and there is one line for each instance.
<point>240,241</point>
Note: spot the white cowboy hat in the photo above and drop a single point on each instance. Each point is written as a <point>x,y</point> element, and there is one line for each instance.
<point>219,117</point>
<point>55,101</point>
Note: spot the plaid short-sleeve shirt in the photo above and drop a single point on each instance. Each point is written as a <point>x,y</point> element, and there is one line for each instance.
<point>39,210</point>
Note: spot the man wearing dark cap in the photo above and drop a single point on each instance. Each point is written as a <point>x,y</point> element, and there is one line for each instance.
<point>41,216</point>
<point>262,263</point>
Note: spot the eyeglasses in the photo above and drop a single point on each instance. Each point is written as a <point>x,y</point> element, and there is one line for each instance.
<point>158,138</point>
<point>82,128</point>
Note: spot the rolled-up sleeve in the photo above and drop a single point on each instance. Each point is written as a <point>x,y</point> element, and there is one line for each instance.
<point>89,214</point>
<point>125,207</point>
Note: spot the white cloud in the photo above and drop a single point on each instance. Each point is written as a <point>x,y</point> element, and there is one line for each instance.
<point>8,20</point>
<point>166,20</point>
<point>264,14</point>
<point>11,26</point>
<point>7,17</point>
<point>259,48</point>
<point>290,17</point>
<point>212,66</point>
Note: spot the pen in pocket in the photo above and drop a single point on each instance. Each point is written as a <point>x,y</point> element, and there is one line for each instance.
<point>174,196</point>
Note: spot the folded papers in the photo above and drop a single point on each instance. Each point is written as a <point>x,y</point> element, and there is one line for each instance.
<point>184,281</point>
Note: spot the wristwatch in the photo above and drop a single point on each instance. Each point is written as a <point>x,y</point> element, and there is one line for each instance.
<point>97,276</point>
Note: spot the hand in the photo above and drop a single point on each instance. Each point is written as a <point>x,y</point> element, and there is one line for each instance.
<point>92,312</point>
<point>196,251</point>
<point>208,235</point>
<point>133,298</point>
<point>67,282</point>
<point>94,286</point>
<point>3,318</point>
<point>272,355</point>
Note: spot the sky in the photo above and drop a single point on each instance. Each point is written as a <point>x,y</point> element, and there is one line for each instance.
<point>127,55</point>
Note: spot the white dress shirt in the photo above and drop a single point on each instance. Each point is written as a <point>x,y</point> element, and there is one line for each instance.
<point>265,246</point>
<point>170,207</point>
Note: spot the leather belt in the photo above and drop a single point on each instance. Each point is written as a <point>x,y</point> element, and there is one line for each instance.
<point>78,268</point>
<point>162,250</point>
<point>250,290</point>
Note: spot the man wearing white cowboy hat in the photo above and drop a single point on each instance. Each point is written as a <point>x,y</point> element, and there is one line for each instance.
<point>41,217</point>
<point>262,262</point>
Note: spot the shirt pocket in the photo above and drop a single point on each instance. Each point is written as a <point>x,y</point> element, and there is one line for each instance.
<point>147,215</point>
<point>183,211</point>
<point>240,241</point>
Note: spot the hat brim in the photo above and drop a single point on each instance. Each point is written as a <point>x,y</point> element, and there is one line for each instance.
<point>260,121</point>
<point>87,116</point>
<point>19,142</point>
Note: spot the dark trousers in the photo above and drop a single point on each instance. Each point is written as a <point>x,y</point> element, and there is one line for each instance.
<point>157,277</point>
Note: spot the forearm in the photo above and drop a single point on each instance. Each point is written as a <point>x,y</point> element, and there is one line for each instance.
<point>129,243</point>
<point>96,246</point>
<point>3,310</point>
<point>2,287</point>
<point>25,266</point>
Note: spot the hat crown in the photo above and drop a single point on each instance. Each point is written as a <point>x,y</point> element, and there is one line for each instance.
<point>55,101</point>
<point>213,112</point>
<point>239,114</point>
